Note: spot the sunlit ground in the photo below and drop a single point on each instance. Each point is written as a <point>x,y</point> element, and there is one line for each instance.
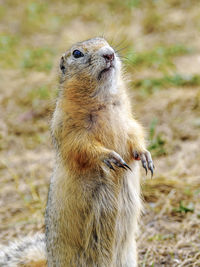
<point>159,42</point>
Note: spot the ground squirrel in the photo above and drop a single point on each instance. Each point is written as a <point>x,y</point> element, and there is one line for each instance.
<point>94,196</point>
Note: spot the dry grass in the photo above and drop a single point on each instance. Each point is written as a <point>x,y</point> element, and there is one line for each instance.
<point>162,58</point>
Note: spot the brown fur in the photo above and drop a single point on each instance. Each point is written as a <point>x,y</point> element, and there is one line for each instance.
<point>92,211</point>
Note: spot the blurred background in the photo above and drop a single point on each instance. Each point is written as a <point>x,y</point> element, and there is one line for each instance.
<point>159,42</point>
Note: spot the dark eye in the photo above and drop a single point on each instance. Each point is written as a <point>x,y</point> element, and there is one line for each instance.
<point>77,54</point>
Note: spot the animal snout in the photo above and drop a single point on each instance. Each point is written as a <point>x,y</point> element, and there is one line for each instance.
<point>109,57</point>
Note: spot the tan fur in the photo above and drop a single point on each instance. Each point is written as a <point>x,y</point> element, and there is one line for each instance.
<point>27,252</point>
<point>92,210</point>
<point>40,263</point>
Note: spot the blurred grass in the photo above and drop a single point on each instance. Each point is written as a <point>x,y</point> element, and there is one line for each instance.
<point>37,59</point>
<point>148,86</point>
<point>159,58</point>
<point>157,141</point>
<point>159,45</point>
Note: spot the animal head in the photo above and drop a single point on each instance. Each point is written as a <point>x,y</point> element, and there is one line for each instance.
<point>93,58</point>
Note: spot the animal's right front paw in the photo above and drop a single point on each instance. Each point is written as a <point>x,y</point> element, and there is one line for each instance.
<point>114,158</point>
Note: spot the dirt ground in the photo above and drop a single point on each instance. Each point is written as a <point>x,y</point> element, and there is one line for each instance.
<point>159,42</point>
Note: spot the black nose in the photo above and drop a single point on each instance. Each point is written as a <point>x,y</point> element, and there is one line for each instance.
<point>109,57</point>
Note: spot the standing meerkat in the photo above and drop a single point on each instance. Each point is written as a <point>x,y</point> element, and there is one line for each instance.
<point>94,197</point>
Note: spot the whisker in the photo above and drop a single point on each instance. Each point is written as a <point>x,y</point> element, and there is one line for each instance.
<point>120,43</point>
<point>121,49</point>
<point>125,59</point>
<point>111,42</point>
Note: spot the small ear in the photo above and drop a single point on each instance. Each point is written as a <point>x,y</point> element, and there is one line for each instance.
<point>62,64</point>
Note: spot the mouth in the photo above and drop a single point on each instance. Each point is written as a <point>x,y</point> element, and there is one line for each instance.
<point>108,69</point>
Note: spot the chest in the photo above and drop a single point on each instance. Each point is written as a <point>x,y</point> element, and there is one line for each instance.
<point>108,124</point>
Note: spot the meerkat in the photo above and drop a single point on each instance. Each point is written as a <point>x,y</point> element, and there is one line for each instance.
<point>94,197</point>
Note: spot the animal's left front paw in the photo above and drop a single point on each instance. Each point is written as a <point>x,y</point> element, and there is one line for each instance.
<point>145,157</point>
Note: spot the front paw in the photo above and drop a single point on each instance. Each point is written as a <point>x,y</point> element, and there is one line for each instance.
<point>114,158</point>
<point>145,157</point>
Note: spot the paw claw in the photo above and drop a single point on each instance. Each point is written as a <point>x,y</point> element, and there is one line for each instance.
<point>109,164</point>
<point>121,166</point>
<point>147,162</point>
<point>126,165</point>
<point>145,167</point>
<point>117,160</point>
<point>151,169</point>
